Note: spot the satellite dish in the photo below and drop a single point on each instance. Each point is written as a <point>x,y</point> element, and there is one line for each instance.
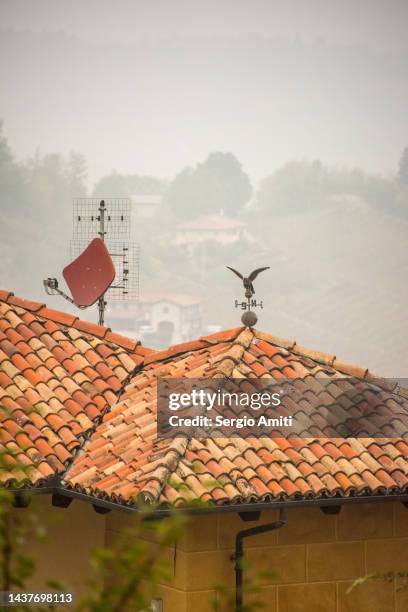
<point>91,274</point>
<point>88,277</point>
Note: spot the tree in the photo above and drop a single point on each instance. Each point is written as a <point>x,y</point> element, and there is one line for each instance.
<point>302,186</point>
<point>113,185</point>
<point>142,184</point>
<point>125,185</point>
<point>77,174</point>
<point>12,184</point>
<point>218,183</point>
<point>52,183</point>
<point>296,187</point>
<point>125,575</point>
<point>38,192</point>
<point>403,167</point>
<point>48,181</point>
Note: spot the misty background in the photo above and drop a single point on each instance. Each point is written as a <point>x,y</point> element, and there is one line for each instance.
<point>284,123</point>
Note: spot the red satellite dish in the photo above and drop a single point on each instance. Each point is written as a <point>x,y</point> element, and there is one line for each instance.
<point>91,274</point>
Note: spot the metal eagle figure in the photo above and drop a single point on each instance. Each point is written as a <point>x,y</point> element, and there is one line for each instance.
<point>248,280</point>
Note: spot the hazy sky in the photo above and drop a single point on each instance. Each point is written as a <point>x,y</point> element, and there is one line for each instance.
<point>379,23</point>
<point>151,86</point>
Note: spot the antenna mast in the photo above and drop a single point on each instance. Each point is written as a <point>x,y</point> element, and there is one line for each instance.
<point>91,274</point>
<point>101,302</point>
<point>110,219</point>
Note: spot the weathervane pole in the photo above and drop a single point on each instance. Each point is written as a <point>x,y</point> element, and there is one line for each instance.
<point>249,318</point>
<point>101,301</point>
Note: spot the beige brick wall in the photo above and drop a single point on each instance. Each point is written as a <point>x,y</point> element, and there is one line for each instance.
<point>71,534</point>
<point>310,562</point>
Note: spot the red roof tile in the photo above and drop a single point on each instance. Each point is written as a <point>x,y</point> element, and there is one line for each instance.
<point>23,303</point>
<point>66,384</point>
<point>245,470</point>
<point>40,350</point>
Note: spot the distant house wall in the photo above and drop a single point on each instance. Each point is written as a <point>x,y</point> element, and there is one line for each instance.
<point>313,559</point>
<point>166,311</point>
<point>183,320</point>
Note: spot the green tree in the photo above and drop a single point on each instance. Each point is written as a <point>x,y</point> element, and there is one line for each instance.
<point>297,186</point>
<point>126,575</point>
<point>53,181</point>
<point>113,185</point>
<point>40,191</point>
<point>302,186</point>
<point>117,185</point>
<point>16,566</point>
<point>12,183</point>
<point>146,184</point>
<point>48,184</point>
<point>218,183</point>
<point>403,167</point>
<point>77,175</point>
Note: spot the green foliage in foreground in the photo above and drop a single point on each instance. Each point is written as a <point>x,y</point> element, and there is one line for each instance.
<point>125,576</point>
<point>385,577</point>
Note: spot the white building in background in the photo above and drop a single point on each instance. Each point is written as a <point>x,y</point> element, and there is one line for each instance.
<point>145,205</point>
<point>158,320</point>
<point>217,228</point>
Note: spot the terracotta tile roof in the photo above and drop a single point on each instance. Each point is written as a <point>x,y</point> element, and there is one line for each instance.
<point>124,461</point>
<point>58,375</point>
<point>75,406</point>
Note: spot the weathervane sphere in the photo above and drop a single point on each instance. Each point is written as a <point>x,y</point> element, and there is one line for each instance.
<point>249,318</point>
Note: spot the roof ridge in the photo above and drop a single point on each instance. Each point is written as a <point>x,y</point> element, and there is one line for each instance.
<point>331,360</point>
<point>150,493</point>
<point>100,331</point>
<point>232,356</point>
<point>40,309</point>
<point>193,345</point>
<point>226,334</point>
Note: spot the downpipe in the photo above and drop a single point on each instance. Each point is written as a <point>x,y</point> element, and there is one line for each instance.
<point>239,553</point>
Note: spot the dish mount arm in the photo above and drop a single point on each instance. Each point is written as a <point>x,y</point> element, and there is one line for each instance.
<point>51,288</point>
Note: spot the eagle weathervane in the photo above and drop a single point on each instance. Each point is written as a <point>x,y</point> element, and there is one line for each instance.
<point>249,317</point>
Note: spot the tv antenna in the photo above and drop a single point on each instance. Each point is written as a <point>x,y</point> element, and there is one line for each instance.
<point>103,252</point>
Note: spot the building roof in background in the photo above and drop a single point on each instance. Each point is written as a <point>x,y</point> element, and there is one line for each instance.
<point>212,222</point>
<point>72,386</point>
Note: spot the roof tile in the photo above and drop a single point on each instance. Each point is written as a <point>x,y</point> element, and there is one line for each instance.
<point>91,328</point>
<point>39,347</point>
<point>122,341</point>
<point>59,384</point>
<point>349,369</point>
<point>23,303</point>
<point>261,470</point>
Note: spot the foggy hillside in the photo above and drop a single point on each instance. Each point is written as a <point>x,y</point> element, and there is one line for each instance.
<point>289,124</point>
